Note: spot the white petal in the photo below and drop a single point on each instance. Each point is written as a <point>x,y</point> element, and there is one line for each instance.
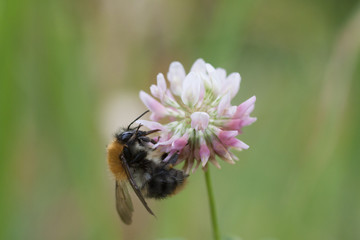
<point>199,66</point>
<point>209,68</point>
<point>200,120</point>
<point>233,84</point>
<point>191,89</point>
<point>176,75</point>
<point>215,82</point>
<point>151,125</point>
<point>224,104</point>
<point>231,111</point>
<point>154,91</point>
<point>221,74</point>
<point>161,82</point>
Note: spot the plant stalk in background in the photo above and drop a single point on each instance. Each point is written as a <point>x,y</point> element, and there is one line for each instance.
<point>214,222</point>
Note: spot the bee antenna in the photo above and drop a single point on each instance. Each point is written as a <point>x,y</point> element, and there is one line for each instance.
<point>137,119</point>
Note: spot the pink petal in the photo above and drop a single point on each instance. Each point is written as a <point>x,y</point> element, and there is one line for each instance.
<point>204,153</point>
<point>224,136</point>
<point>248,121</point>
<point>235,143</point>
<point>199,120</point>
<point>244,107</point>
<point>239,145</point>
<point>181,142</point>
<point>191,89</point>
<point>157,108</point>
<point>249,110</point>
<point>238,124</point>
<point>220,150</point>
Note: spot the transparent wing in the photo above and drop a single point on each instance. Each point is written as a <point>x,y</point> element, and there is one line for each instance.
<point>124,205</point>
<point>134,186</point>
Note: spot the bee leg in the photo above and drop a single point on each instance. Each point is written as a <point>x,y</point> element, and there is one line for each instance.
<point>139,157</point>
<point>153,141</point>
<point>151,131</point>
<point>141,140</point>
<point>173,159</point>
<point>127,153</point>
<point>170,163</point>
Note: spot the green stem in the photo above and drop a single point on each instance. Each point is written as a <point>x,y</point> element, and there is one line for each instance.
<point>214,222</point>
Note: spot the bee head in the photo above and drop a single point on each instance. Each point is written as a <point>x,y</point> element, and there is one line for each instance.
<point>130,134</point>
<point>124,136</point>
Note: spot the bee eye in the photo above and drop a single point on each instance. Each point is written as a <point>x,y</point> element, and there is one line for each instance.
<point>125,136</point>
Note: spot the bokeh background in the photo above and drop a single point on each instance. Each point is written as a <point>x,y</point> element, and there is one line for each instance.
<point>70,73</point>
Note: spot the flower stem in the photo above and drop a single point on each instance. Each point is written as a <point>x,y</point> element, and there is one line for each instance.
<point>214,222</point>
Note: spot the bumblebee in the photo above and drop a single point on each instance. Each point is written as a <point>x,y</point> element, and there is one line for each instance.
<point>133,161</point>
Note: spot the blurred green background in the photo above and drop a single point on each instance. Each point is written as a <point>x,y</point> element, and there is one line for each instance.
<point>70,73</point>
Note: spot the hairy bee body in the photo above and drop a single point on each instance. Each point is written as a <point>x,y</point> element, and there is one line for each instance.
<point>155,179</point>
<point>132,160</point>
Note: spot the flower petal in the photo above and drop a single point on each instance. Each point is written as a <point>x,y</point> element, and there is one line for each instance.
<point>199,66</point>
<point>238,124</point>
<point>209,68</point>
<point>176,75</point>
<point>155,91</point>
<point>243,107</point>
<point>215,82</point>
<point>159,111</point>
<point>237,144</point>
<point>221,150</point>
<point>248,121</point>
<point>199,120</point>
<point>221,74</point>
<point>232,84</point>
<point>224,136</point>
<point>168,141</point>
<point>224,104</point>
<point>204,152</point>
<point>181,142</point>
<point>151,125</point>
<point>191,89</point>
<point>228,140</point>
<point>161,82</point>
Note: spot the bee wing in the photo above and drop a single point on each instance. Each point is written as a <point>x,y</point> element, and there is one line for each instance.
<point>124,205</point>
<point>134,186</point>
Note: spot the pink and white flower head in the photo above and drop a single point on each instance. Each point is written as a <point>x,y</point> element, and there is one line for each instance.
<point>201,122</point>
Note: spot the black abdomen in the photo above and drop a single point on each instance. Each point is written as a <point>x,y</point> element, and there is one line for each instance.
<point>164,182</point>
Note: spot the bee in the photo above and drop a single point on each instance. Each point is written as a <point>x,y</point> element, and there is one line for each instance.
<point>133,161</point>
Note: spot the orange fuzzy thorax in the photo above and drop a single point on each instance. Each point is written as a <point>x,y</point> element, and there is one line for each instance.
<point>114,150</point>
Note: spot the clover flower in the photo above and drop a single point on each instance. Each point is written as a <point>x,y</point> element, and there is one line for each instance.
<point>201,122</point>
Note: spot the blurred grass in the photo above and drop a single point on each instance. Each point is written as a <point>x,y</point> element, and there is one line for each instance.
<point>61,60</point>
